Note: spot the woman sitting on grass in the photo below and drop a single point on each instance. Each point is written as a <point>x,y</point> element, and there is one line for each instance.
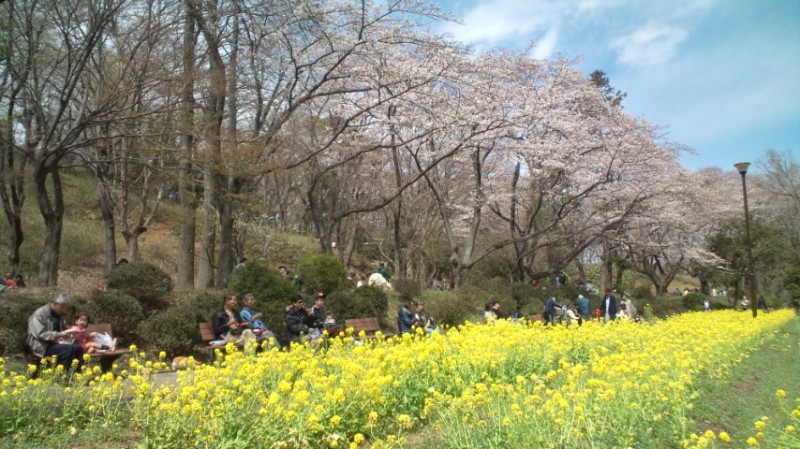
<point>79,324</point>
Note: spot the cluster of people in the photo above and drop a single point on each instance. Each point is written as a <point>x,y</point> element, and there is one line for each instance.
<point>12,281</point>
<point>608,310</point>
<point>240,326</point>
<point>308,324</point>
<point>411,316</point>
<point>49,335</point>
<point>492,311</point>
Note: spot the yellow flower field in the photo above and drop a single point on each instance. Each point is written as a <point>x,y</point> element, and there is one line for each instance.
<point>484,386</point>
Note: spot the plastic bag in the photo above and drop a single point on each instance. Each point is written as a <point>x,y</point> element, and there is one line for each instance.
<point>102,338</point>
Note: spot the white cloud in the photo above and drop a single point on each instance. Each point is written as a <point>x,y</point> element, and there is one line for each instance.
<point>546,46</point>
<point>650,45</point>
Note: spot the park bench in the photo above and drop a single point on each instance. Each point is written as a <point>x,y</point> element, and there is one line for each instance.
<point>368,325</point>
<point>208,337</point>
<point>106,359</point>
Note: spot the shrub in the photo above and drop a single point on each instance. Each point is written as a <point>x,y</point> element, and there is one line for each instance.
<point>642,292</point>
<point>143,281</point>
<point>693,301</point>
<point>407,288</point>
<point>14,319</point>
<point>322,273</point>
<point>123,312</point>
<point>271,291</point>
<point>451,307</point>
<point>522,294</point>
<point>174,330</point>
<point>361,302</point>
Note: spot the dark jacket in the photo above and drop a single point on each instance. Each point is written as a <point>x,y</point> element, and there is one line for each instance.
<point>550,305</point>
<point>296,322</point>
<point>612,306</point>
<point>317,319</point>
<point>404,320</point>
<point>219,321</point>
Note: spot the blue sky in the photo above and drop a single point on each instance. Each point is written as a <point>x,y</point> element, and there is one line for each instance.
<point>723,76</point>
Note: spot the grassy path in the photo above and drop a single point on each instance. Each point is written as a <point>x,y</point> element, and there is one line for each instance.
<point>749,392</point>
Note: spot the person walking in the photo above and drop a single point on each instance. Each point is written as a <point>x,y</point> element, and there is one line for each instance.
<point>608,308</point>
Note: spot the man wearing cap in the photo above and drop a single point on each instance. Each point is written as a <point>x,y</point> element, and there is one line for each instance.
<point>48,334</point>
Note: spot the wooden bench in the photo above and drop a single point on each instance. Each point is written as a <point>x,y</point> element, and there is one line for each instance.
<point>207,335</point>
<point>534,318</point>
<point>368,325</point>
<point>105,358</point>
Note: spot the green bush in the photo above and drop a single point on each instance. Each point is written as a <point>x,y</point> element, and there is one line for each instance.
<point>451,307</point>
<point>642,291</point>
<point>407,288</point>
<point>18,306</point>
<point>143,281</point>
<point>271,291</point>
<point>362,302</point>
<point>322,273</point>
<point>693,301</point>
<point>522,294</point>
<point>175,330</point>
<point>123,312</point>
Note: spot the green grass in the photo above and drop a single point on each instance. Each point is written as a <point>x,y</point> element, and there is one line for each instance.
<point>733,405</point>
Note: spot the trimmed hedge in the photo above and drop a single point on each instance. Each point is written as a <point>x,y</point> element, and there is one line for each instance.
<point>362,302</point>
<point>143,281</point>
<point>175,330</point>
<point>322,273</point>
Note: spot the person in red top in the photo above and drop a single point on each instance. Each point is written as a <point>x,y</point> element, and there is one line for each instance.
<point>10,282</point>
<point>79,336</point>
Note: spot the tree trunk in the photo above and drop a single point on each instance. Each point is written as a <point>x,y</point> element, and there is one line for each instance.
<point>12,187</point>
<point>186,225</point>
<point>607,268</point>
<point>581,271</point>
<point>226,226</point>
<point>12,204</point>
<point>104,199</point>
<point>232,183</point>
<point>132,241</point>
<point>455,269</point>
<point>620,274</point>
<point>213,108</point>
<point>53,215</point>
<point>208,236</point>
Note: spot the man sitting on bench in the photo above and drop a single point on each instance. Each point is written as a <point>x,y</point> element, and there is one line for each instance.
<point>48,334</point>
<point>228,325</point>
<point>253,319</point>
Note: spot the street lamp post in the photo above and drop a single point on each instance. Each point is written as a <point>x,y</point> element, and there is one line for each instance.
<point>751,270</point>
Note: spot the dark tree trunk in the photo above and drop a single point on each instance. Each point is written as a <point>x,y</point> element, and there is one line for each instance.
<point>12,185</point>
<point>187,226</point>
<point>226,225</point>
<point>104,199</point>
<point>186,196</point>
<point>607,269</point>
<point>53,215</point>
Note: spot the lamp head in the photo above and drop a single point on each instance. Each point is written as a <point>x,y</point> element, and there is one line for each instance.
<point>742,167</point>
